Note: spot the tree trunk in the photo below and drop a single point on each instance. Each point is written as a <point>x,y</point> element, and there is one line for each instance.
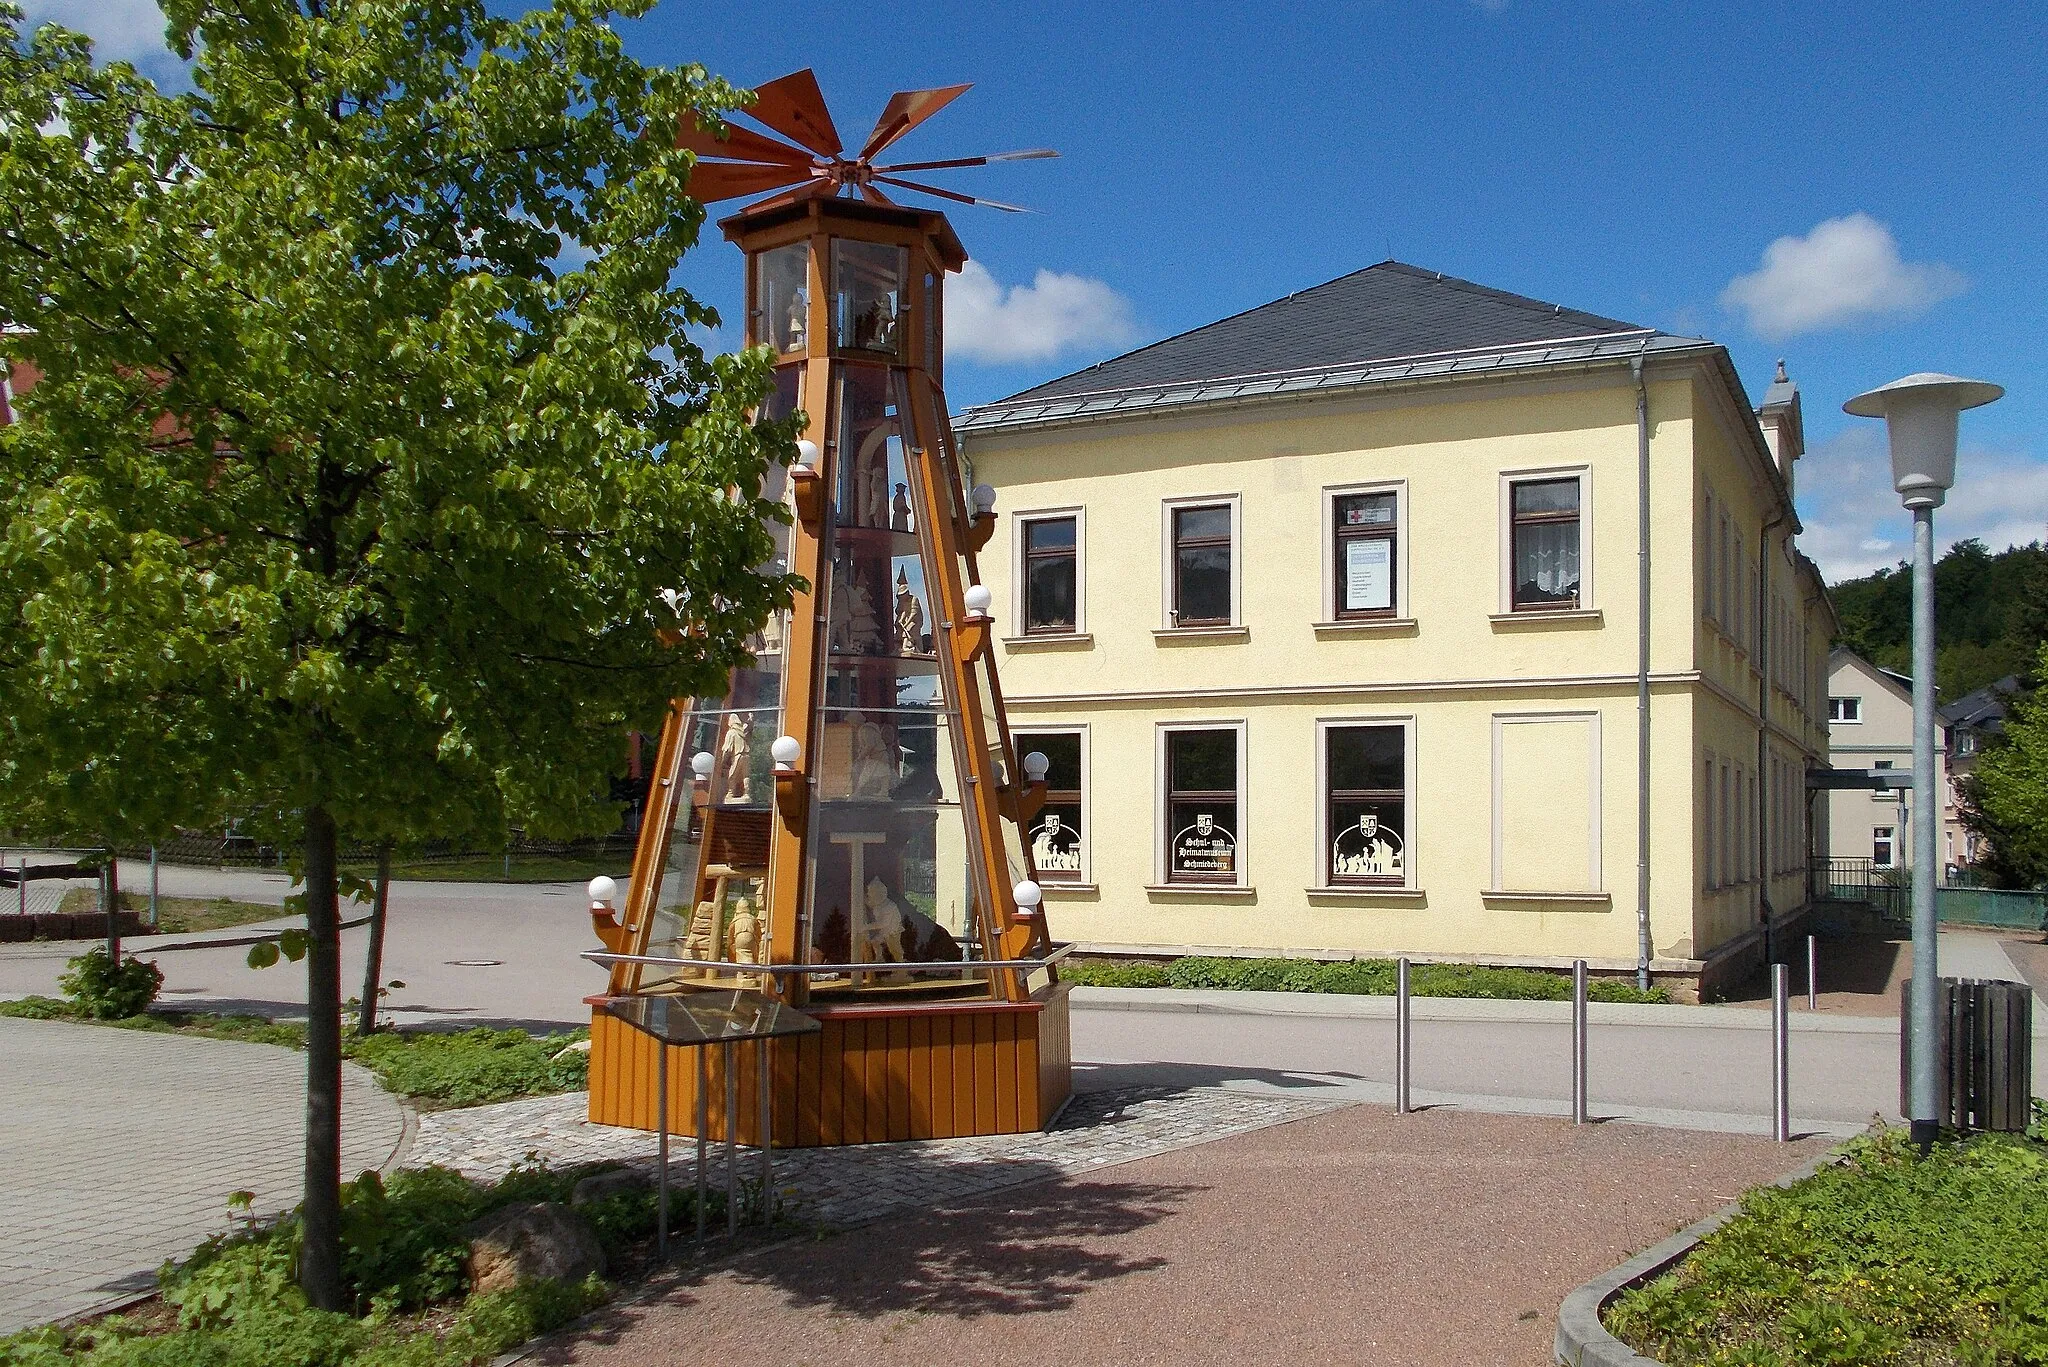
<point>366,1022</point>
<point>113,907</point>
<point>320,1255</point>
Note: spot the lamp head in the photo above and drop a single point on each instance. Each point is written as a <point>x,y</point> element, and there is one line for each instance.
<point>1920,416</point>
<point>977,598</point>
<point>701,764</point>
<point>984,498</point>
<point>1028,895</point>
<point>807,454</point>
<point>785,751</point>
<point>1036,766</point>
<point>603,891</point>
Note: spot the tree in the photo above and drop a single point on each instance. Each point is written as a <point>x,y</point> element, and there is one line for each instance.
<point>2005,799</point>
<point>346,497</point>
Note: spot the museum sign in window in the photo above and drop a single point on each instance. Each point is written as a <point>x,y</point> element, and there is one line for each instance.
<point>1544,544</point>
<point>1366,526</point>
<point>1051,578</point>
<point>1201,566</point>
<point>1365,777</point>
<point>1202,804</point>
<point>1059,831</point>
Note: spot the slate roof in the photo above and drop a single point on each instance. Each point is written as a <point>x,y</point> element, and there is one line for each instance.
<point>1389,321</point>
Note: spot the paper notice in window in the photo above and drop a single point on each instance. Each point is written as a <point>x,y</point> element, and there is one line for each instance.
<point>1368,575</point>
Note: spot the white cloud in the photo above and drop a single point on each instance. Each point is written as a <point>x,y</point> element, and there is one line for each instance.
<point>1854,523</point>
<point>1847,270</point>
<point>1054,313</point>
<point>121,30</point>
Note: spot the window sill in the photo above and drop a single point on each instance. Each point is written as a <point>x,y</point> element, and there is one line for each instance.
<point>1235,891</point>
<point>1588,900</point>
<point>1050,640</point>
<point>1052,889</point>
<point>1366,626</point>
<point>1229,635</point>
<point>1414,895</point>
<point>1561,617</point>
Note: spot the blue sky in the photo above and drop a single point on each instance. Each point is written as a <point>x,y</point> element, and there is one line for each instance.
<point>1856,188</point>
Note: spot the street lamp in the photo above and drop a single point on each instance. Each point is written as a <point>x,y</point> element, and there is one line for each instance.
<point>1920,415</point>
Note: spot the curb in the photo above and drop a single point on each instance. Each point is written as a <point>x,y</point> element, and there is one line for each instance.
<point>1583,1341</point>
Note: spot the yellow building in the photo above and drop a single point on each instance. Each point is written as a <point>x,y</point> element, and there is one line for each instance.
<point>1331,619</point>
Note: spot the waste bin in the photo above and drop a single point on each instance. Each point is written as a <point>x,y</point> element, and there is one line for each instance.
<point>1984,1052</point>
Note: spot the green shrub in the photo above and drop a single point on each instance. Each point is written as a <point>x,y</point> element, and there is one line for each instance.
<point>35,1008</point>
<point>104,990</point>
<point>1354,977</point>
<point>1884,1258</point>
<point>472,1067</point>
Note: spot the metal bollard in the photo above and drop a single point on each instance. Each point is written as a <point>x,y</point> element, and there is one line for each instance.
<point>1579,1031</point>
<point>1781,1054</point>
<point>1401,1038</point>
<point>1812,973</point>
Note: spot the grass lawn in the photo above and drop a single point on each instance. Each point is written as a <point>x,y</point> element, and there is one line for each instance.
<point>1352,977</point>
<point>177,915</point>
<point>492,868</point>
<point>435,1070</point>
<point>1883,1260</point>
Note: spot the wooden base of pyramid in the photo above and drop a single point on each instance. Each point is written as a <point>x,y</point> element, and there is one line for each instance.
<point>929,1070</point>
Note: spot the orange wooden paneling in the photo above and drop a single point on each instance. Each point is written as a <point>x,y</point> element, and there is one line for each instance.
<point>1004,1085</point>
<point>941,1063</point>
<point>875,1127</point>
<point>921,1078</point>
<point>896,1080</point>
<point>832,1084</point>
<point>807,1090</point>
<point>985,1075</point>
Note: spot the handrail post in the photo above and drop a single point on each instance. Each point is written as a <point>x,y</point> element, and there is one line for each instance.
<point>1579,1032</point>
<point>1781,1054</point>
<point>1403,1033</point>
<point>1812,973</point>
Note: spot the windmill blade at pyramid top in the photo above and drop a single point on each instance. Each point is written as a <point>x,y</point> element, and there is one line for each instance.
<point>734,143</point>
<point>954,195</point>
<point>793,106</point>
<point>715,180</point>
<point>906,110</point>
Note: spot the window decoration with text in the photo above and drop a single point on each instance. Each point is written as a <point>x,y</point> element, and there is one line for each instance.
<point>1201,566</point>
<point>1366,528</point>
<point>1365,771</point>
<point>1201,807</point>
<point>1545,544</point>
<point>1058,832</point>
<point>1050,578</point>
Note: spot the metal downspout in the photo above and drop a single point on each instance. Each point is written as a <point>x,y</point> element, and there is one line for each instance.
<point>1643,947</point>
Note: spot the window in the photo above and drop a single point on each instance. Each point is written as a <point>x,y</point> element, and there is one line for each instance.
<point>1051,575</point>
<point>1365,529</point>
<point>1845,709</point>
<point>1543,550</point>
<point>1966,742</point>
<point>1202,573</point>
<point>1202,806</point>
<point>1881,846</point>
<point>1365,805</point>
<point>1059,833</point>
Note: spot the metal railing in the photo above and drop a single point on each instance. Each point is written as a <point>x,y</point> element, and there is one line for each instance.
<point>601,956</point>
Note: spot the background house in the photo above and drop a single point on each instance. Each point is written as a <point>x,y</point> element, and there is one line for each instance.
<point>1967,725</point>
<point>1328,618</point>
<point>1870,726</point>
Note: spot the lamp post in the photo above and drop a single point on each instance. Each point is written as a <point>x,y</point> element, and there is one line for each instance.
<point>1920,415</point>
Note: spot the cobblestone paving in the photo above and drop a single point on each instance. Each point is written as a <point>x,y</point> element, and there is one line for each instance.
<point>850,1186</point>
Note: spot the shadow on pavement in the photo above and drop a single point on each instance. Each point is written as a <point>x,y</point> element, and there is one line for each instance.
<point>1146,1080</point>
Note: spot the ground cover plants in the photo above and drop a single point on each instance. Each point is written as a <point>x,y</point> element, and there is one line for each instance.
<point>1886,1259</point>
<point>1354,977</point>
<point>408,1301</point>
<point>178,915</point>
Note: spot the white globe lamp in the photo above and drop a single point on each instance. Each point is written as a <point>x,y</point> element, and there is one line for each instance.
<point>785,752</point>
<point>978,599</point>
<point>1028,895</point>
<point>603,890</point>
<point>1036,766</point>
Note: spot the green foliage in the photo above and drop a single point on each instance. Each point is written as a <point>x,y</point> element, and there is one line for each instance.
<point>98,987</point>
<point>36,1008</point>
<point>473,1067</point>
<point>1355,977</point>
<point>1885,1260</point>
<point>2005,799</point>
<point>1990,613</point>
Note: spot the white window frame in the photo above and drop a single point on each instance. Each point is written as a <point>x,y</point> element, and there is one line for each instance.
<point>1596,864</point>
<point>1331,493</point>
<point>1161,818</point>
<point>1167,567</point>
<point>1086,876</point>
<point>1020,606</point>
<point>1506,536</point>
<point>1710,855</point>
<point>1856,707</point>
<point>1320,875</point>
<point>1891,840</point>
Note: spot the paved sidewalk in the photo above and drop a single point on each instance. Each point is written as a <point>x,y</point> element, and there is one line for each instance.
<point>852,1186</point>
<point>121,1148</point>
<point>1353,1236</point>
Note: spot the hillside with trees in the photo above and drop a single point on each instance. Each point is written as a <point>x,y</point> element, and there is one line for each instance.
<point>1990,613</point>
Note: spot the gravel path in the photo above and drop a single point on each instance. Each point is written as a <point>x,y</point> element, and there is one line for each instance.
<point>1350,1236</point>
